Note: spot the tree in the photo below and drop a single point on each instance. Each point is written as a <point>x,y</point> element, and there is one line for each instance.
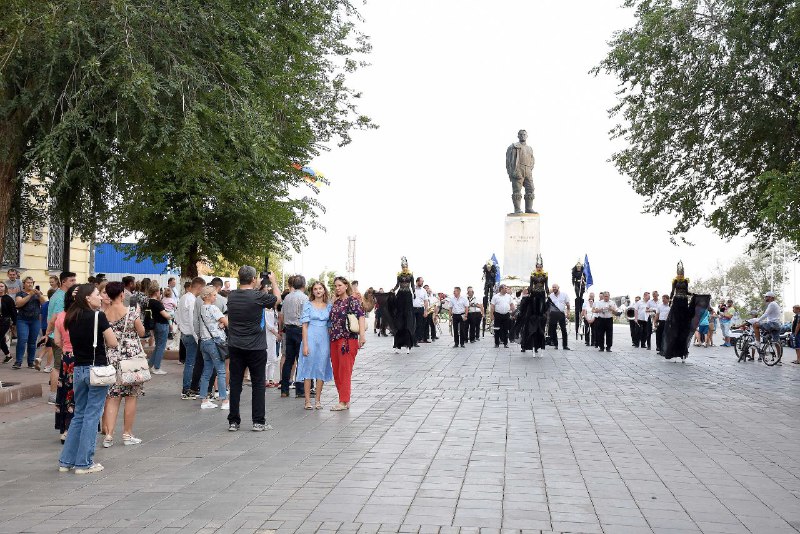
<point>175,120</point>
<point>745,281</point>
<point>709,102</point>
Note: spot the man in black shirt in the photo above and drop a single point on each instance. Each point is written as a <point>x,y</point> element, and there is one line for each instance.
<point>247,343</point>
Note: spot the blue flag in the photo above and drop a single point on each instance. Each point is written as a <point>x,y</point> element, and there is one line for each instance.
<point>587,270</point>
<point>497,276</point>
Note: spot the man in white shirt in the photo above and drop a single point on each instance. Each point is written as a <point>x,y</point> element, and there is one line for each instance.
<point>474,315</point>
<point>604,311</point>
<point>185,319</point>
<point>501,307</point>
<point>430,312</point>
<point>770,320</point>
<point>662,312</point>
<point>587,314</point>
<point>418,303</point>
<point>642,320</point>
<point>559,308</point>
<point>458,311</point>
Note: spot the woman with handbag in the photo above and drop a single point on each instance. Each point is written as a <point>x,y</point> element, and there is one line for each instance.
<point>213,347</point>
<point>347,325</point>
<point>127,326</point>
<point>315,349</point>
<point>90,334</point>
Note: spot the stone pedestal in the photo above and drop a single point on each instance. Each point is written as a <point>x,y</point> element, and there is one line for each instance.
<point>521,245</point>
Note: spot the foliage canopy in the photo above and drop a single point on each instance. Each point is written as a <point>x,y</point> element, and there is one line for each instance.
<point>709,109</point>
<point>174,120</point>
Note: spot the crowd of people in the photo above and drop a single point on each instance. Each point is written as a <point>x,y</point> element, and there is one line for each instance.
<point>227,337</point>
<point>299,338</point>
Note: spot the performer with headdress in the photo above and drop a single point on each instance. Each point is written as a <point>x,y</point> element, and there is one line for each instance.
<point>400,311</point>
<point>532,317</point>
<point>678,331</point>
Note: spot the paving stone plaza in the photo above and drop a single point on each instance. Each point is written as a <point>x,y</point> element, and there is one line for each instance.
<point>444,440</point>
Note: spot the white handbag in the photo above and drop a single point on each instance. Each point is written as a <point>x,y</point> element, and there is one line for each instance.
<point>100,375</point>
<point>136,370</point>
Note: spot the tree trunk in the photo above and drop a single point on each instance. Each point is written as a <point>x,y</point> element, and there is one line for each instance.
<point>10,158</point>
<point>189,266</point>
<point>65,259</point>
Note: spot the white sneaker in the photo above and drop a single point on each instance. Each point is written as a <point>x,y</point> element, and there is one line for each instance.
<point>207,405</point>
<point>48,368</point>
<point>225,406</point>
<point>158,372</point>
<point>94,468</point>
<point>130,440</point>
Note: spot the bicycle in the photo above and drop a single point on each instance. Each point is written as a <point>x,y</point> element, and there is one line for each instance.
<point>769,351</point>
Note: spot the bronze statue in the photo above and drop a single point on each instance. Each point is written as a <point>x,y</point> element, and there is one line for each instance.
<point>519,165</point>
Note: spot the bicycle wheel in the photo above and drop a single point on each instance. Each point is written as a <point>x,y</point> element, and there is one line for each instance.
<point>741,349</point>
<point>772,353</point>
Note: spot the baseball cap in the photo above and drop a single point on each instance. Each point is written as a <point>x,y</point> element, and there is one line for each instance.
<point>769,294</point>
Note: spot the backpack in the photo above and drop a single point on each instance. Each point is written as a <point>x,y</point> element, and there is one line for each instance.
<point>147,317</point>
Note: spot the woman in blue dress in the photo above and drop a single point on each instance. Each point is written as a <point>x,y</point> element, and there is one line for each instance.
<point>315,362</point>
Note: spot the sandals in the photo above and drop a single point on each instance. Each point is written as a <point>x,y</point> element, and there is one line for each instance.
<point>318,405</point>
<point>340,408</point>
<point>108,441</point>
<point>308,406</point>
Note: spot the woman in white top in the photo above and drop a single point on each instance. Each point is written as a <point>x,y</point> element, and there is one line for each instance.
<point>212,323</point>
<point>273,335</point>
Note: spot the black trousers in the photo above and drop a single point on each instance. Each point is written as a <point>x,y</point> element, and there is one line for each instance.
<point>645,331</point>
<point>634,332</point>
<point>604,331</point>
<point>474,326</point>
<point>293,337</point>
<point>378,316</point>
<point>420,320</point>
<point>660,335</point>
<point>5,326</point>
<point>459,329</point>
<point>557,317</point>
<point>256,362</point>
<point>430,327</point>
<point>181,350</point>
<point>589,333</point>
<point>501,324</point>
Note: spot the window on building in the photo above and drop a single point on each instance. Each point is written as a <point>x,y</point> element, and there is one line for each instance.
<point>55,246</point>
<point>13,245</point>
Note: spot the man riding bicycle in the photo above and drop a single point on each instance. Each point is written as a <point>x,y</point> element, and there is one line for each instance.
<point>770,321</point>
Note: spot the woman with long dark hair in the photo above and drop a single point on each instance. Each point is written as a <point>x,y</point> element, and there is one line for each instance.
<point>126,324</point>
<point>344,342</point>
<point>90,333</point>
<point>8,316</point>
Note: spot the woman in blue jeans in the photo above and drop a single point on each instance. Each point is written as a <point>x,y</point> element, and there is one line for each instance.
<point>90,333</point>
<point>161,329</point>
<point>29,305</point>
<point>212,323</point>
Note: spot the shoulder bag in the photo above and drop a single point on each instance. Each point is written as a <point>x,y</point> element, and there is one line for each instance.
<point>352,319</point>
<point>135,370</point>
<point>100,375</point>
<point>222,344</point>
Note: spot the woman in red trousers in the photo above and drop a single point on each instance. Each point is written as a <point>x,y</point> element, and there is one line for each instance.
<point>344,342</point>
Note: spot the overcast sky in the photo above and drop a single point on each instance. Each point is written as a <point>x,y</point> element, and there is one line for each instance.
<point>450,84</point>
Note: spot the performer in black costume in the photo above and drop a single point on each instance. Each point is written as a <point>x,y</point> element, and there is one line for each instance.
<point>401,310</point>
<point>532,317</point>
<point>678,331</point>
<point>489,277</point>
<point>579,285</point>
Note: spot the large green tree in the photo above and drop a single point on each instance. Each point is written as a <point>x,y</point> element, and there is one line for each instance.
<point>177,121</point>
<point>709,111</point>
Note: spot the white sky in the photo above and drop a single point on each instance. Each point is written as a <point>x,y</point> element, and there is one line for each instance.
<point>450,84</point>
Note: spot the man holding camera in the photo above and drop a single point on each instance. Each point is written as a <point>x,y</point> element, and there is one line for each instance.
<point>247,344</point>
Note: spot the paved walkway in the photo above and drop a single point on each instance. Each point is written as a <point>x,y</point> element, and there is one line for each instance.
<point>446,440</point>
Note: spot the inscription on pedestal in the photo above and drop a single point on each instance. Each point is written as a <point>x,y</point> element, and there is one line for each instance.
<point>521,245</point>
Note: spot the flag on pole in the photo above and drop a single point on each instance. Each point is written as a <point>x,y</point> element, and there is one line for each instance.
<point>587,270</point>
<point>497,264</point>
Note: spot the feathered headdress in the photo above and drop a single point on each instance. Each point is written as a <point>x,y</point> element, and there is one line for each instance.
<point>680,268</point>
<point>539,261</point>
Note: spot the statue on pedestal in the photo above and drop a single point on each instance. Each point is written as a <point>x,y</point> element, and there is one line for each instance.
<point>519,165</point>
